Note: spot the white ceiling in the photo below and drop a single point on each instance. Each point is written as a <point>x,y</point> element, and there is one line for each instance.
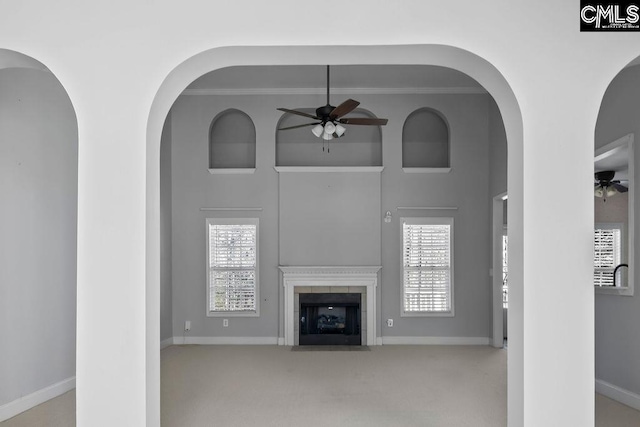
<point>616,160</point>
<point>358,78</point>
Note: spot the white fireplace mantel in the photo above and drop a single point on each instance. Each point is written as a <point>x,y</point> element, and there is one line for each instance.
<point>366,276</point>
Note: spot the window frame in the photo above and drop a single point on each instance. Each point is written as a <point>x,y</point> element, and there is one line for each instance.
<point>623,255</point>
<point>232,221</point>
<point>428,221</point>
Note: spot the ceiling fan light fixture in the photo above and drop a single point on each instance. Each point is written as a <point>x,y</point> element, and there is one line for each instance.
<point>340,130</point>
<point>327,136</point>
<point>318,130</point>
<point>329,128</point>
<point>611,191</point>
<point>598,192</point>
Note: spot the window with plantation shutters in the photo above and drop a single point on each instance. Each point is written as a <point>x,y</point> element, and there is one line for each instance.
<point>606,254</point>
<point>427,266</point>
<point>232,256</point>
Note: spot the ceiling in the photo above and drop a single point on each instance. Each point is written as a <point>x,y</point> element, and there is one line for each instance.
<point>614,160</point>
<point>344,78</point>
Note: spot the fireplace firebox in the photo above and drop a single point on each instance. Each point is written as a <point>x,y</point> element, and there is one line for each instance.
<point>329,319</point>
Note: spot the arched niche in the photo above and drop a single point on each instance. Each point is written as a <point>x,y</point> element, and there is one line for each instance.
<point>425,140</point>
<point>232,142</point>
<point>359,146</point>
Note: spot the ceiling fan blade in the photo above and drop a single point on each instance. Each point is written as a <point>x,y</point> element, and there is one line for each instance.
<point>298,113</point>
<point>621,188</point>
<point>299,126</point>
<point>345,108</point>
<point>363,121</point>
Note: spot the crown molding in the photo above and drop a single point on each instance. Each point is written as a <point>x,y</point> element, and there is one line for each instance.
<point>338,91</point>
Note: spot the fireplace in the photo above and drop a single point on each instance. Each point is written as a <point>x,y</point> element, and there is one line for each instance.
<point>360,282</point>
<point>329,319</point>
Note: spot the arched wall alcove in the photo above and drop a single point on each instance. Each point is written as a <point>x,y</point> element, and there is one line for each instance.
<point>38,223</point>
<point>425,140</point>
<point>446,56</point>
<point>359,146</point>
<point>232,141</point>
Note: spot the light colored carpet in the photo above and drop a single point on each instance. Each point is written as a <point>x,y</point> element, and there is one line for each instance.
<point>389,385</point>
<point>58,412</point>
<point>274,386</point>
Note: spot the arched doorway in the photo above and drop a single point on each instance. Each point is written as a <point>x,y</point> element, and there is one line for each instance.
<point>445,56</point>
<point>38,221</point>
<point>617,306</point>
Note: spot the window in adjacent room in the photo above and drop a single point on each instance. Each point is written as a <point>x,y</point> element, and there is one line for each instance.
<point>232,259</point>
<point>427,266</point>
<point>607,255</point>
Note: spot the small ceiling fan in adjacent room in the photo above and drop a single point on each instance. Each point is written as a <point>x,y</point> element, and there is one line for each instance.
<point>329,119</point>
<point>605,186</point>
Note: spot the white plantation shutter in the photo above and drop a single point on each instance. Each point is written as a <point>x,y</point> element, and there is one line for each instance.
<point>233,260</point>
<point>606,255</point>
<point>427,262</point>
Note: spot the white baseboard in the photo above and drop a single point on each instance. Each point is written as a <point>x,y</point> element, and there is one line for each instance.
<point>435,341</point>
<point>11,409</point>
<point>280,341</point>
<point>619,394</point>
<point>166,343</point>
<point>226,340</point>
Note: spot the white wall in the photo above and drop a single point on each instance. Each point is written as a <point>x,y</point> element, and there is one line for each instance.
<point>617,317</point>
<point>38,199</point>
<point>127,63</point>
<point>166,273</point>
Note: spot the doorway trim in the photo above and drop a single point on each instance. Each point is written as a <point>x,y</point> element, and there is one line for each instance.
<point>496,270</point>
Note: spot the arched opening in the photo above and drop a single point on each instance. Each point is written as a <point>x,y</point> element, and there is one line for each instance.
<point>617,307</point>
<point>232,141</point>
<point>457,59</point>
<point>425,140</point>
<point>38,221</point>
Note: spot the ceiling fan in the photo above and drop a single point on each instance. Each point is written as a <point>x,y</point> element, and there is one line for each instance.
<point>329,119</point>
<point>605,186</point>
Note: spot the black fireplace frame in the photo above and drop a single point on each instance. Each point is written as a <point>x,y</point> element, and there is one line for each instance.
<point>350,333</point>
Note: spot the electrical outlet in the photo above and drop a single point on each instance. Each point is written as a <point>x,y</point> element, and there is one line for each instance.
<point>390,323</point>
<point>187,325</point>
<point>225,323</point>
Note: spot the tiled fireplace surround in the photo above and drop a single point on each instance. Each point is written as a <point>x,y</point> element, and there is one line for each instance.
<point>325,279</point>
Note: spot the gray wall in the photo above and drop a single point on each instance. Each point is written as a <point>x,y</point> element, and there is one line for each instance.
<point>166,310</point>
<point>343,210</point>
<point>466,188</point>
<point>497,152</point>
<point>193,187</point>
<point>330,218</point>
<point>617,317</point>
<point>38,197</point>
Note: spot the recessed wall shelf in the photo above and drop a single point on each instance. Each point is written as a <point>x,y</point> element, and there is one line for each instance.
<point>231,171</point>
<point>426,170</point>
<point>373,169</point>
<point>230,209</point>
<point>427,208</point>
